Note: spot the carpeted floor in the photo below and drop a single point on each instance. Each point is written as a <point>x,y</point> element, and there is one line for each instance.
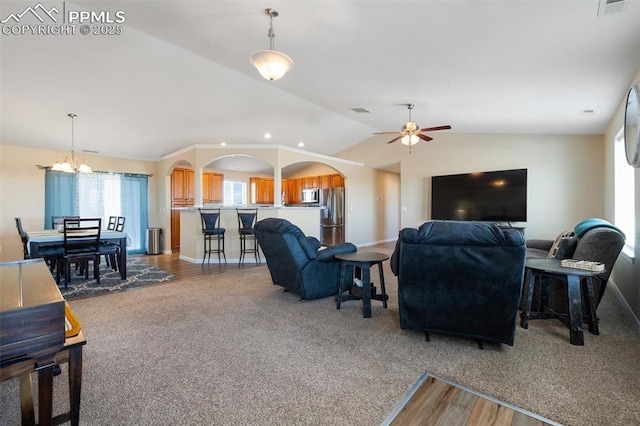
<point>234,349</point>
<point>139,274</point>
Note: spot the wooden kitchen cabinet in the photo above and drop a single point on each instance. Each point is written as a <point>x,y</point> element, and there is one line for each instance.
<point>292,197</point>
<point>325,181</point>
<point>337,181</point>
<point>178,185</point>
<point>182,186</point>
<point>298,189</point>
<point>212,187</point>
<point>190,187</point>
<point>269,188</point>
<point>175,228</point>
<point>310,182</point>
<point>261,190</point>
<point>182,195</point>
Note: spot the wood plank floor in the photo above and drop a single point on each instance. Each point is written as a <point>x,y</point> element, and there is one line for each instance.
<point>172,264</point>
<point>434,401</point>
<point>183,269</point>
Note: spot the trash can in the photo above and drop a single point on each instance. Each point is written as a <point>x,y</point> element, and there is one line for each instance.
<point>154,241</point>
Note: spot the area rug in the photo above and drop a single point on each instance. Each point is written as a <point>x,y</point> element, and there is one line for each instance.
<point>139,274</point>
<point>433,400</point>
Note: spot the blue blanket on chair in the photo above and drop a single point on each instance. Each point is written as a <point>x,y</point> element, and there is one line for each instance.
<point>588,224</point>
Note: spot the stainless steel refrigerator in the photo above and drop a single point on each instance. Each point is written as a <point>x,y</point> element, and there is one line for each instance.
<point>332,216</point>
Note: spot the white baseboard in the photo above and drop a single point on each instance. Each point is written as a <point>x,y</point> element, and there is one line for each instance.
<point>632,315</point>
<point>373,243</point>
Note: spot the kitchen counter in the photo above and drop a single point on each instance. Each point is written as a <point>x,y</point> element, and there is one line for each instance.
<point>191,237</point>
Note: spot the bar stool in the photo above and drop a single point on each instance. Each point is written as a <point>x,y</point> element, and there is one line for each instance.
<point>212,231</point>
<point>246,221</point>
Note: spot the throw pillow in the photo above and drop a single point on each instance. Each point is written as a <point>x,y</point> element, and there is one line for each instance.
<point>555,248</point>
<point>566,248</point>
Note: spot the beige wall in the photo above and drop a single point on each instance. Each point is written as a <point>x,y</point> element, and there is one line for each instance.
<point>22,189</point>
<point>565,173</point>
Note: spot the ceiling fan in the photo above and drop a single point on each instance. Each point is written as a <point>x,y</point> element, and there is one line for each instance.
<point>410,134</point>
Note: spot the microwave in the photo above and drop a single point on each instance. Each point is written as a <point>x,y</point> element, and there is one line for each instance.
<point>309,195</point>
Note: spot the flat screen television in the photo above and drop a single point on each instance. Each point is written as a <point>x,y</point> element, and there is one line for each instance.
<point>497,196</point>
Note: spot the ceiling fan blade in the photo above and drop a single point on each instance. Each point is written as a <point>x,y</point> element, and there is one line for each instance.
<point>386,133</point>
<point>395,139</point>
<point>424,137</point>
<point>433,129</point>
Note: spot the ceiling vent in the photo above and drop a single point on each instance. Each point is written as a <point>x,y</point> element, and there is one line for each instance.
<point>360,110</point>
<point>610,7</point>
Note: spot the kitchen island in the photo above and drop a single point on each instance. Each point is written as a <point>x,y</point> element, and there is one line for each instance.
<point>191,237</point>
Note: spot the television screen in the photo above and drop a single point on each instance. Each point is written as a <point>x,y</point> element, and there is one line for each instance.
<point>498,196</point>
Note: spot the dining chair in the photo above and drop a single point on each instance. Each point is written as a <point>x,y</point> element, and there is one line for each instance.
<point>212,232</point>
<point>108,249</point>
<point>81,245</point>
<point>50,254</point>
<point>246,221</point>
<point>57,222</point>
<point>120,224</point>
<point>111,225</point>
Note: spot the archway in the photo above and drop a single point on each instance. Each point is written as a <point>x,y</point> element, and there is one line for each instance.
<point>239,179</point>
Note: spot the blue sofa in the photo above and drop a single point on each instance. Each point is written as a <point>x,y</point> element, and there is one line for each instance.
<point>296,262</point>
<point>460,278</point>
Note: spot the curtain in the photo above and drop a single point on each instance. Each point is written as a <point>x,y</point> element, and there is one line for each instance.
<point>100,195</point>
<point>60,195</point>
<point>135,209</point>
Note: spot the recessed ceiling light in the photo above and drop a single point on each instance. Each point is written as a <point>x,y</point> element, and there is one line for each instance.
<point>300,144</point>
<point>223,144</point>
<point>267,135</point>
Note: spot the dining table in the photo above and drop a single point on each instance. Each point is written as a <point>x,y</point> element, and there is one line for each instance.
<point>54,238</point>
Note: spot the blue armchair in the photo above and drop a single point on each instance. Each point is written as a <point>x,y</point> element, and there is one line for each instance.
<point>460,278</point>
<point>295,261</point>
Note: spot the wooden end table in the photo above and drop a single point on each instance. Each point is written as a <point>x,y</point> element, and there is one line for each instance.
<point>572,277</point>
<point>363,260</point>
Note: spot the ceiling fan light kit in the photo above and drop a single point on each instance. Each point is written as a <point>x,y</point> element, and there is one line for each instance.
<point>410,134</point>
<point>271,64</point>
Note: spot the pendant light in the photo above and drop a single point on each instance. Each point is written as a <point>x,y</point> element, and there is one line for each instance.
<point>70,164</point>
<point>271,64</point>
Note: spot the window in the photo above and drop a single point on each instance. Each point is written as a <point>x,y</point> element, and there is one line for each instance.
<point>235,193</point>
<point>100,195</point>
<point>624,195</point>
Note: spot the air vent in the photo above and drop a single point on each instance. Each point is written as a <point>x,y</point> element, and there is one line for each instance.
<point>609,7</point>
<point>360,110</point>
<point>90,151</point>
<point>588,112</point>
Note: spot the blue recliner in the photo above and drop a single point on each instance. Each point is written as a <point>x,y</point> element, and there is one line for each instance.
<point>295,261</point>
<point>460,278</point>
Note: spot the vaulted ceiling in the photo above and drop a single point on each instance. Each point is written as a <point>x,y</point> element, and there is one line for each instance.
<point>179,74</point>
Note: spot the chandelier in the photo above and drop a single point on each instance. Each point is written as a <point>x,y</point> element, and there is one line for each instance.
<point>71,164</point>
<point>271,64</point>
